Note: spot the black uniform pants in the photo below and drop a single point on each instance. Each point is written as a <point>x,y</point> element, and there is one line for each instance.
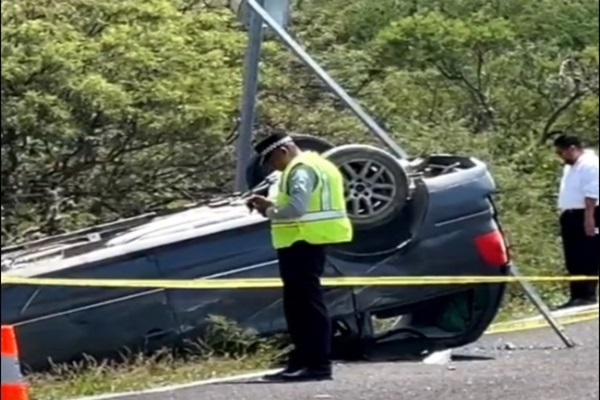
<point>582,252</point>
<point>301,267</point>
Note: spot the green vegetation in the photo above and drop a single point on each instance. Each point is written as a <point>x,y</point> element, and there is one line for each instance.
<point>111,109</point>
<point>226,349</point>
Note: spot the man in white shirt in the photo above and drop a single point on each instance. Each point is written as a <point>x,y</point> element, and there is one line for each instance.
<point>578,203</point>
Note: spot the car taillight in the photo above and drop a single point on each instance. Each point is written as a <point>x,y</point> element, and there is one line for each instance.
<point>492,249</point>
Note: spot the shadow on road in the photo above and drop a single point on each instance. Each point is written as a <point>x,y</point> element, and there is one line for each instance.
<point>466,357</point>
<point>258,381</point>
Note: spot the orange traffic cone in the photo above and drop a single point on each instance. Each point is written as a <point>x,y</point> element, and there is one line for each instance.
<point>13,385</point>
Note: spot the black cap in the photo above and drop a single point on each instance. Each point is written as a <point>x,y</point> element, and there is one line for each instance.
<point>265,147</point>
<point>563,140</point>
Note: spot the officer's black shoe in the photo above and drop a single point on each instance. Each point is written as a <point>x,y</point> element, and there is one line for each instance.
<point>278,376</point>
<point>308,374</point>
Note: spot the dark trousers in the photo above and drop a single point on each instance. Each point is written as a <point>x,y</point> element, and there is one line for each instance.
<point>582,253</point>
<point>301,267</point>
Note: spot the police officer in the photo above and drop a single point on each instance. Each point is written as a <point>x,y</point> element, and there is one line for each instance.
<point>308,214</point>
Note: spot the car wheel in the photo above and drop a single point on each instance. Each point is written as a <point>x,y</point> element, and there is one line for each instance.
<point>377,186</point>
<point>256,173</point>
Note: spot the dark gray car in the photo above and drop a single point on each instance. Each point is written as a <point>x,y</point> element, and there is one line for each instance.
<point>424,217</point>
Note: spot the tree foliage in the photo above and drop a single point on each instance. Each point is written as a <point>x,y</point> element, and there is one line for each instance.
<point>110,109</point>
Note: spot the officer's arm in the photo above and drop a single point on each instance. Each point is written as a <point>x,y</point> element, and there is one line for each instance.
<point>302,182</point>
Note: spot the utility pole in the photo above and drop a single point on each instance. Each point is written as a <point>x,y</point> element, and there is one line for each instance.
<point>279,10</point>
<point>248,101</point>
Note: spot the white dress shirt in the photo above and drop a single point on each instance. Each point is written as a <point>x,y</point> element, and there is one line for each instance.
<point>579,181</point>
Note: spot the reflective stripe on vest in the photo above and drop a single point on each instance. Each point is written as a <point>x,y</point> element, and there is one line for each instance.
<point>311,217</point>
<point>326,200</point>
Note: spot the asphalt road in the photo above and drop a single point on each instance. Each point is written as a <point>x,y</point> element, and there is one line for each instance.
<point>525,366</point>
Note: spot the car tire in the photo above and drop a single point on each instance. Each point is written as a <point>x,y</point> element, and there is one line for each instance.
<point>256,173</point>
<point>377,186</point>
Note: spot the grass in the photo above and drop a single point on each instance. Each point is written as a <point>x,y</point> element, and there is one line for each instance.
<point>226,350</point>
<point>73,381</point>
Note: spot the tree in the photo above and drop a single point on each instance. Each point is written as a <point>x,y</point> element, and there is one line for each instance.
<point>112,108</point>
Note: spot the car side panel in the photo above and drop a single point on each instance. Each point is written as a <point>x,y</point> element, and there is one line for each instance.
<point>240,253</point>
<point>61,323</point>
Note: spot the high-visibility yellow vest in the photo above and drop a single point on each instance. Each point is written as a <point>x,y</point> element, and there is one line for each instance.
<point>325,220</point>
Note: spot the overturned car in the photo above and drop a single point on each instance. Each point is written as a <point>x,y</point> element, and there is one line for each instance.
<point>421,217</point>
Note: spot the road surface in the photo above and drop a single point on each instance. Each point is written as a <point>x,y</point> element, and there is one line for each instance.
<point>525,366</point>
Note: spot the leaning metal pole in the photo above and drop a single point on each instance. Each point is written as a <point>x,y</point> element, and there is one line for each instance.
<point>534,297</point>
<point>248,103</point>
<point>327,80</point>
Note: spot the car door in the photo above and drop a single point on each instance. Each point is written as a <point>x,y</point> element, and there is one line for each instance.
<point>61,323</point>
<point>242,252</point>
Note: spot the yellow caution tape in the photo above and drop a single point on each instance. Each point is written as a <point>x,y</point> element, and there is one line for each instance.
<point>540,322</point>
<point>267,283</point>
